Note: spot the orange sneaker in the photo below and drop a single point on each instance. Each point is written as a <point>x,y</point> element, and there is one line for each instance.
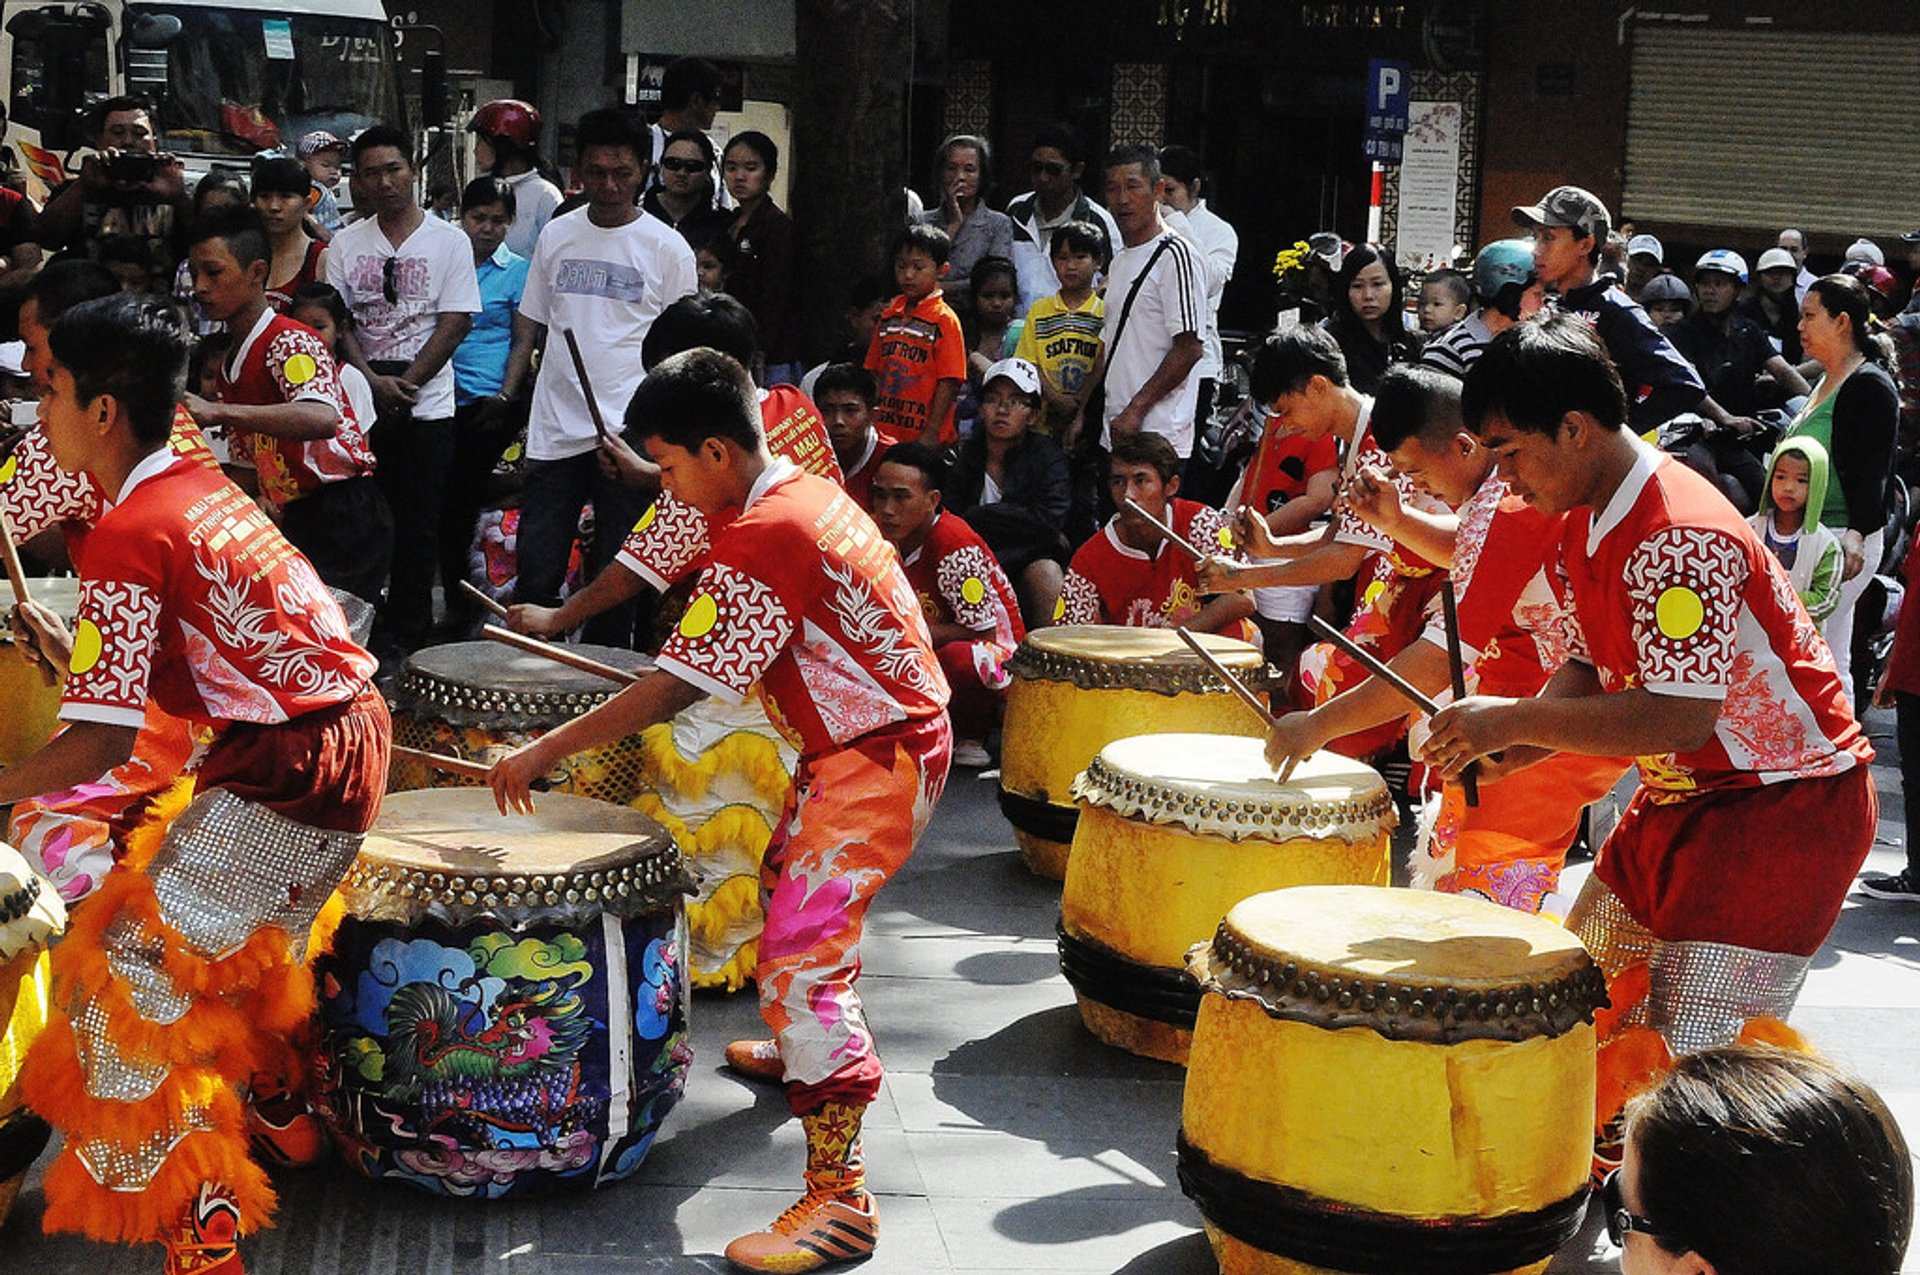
<point>818,1230</point>
<point>756,1060</point>
<point>207,1240</point>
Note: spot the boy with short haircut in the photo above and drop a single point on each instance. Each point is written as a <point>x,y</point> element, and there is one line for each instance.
<point>278,390</point>
<point>1062,332</point>
<point>845,394</point>
<point>181,979</point>
<point>1444,300</point>
<point>967,599</point>
<point>918,354</point>
<point>804,603</point>
<point>1129,573</point>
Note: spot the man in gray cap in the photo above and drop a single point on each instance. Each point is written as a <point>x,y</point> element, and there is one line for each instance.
<point>1569,226</point>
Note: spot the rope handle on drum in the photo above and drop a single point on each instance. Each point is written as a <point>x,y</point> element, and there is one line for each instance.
<point>452,765</point>
<point>559,655</point>
<point>17,578</point>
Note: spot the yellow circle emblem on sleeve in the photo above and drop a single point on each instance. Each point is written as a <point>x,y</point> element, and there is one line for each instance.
<point>1059,609</point>
<point>1679,613</point>
<point>86,646</point>
<point>7,468</point>
<point>701,615</point>
<point>646,519</point>
<point>974,591</point>
<point>300,369</point>
<point>1224,537</point>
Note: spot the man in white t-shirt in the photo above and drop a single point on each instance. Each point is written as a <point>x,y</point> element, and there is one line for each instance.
<point>408,280</point>
<point>1055,166</point>
<point>1154,334</point>
<point>603,272</point>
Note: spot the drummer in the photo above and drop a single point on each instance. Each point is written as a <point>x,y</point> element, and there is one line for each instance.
<point>967,599</point>
<point>1510,847</point>
<point>1130,574</point>
<point>670,541</point>
<point>1755,807</point>
<point>804,600</point>
<point>179,980</point>
<point>1301,375</point>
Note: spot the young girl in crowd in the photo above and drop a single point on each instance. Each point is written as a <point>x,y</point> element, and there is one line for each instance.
<point>321,307</point>
<point>1797,481</point>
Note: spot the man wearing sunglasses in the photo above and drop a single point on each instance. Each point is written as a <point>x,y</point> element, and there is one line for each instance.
<point>1056,166</point>
<point>409,280</point>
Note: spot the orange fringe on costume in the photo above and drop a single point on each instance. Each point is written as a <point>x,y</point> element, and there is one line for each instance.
<point>244,1010</point>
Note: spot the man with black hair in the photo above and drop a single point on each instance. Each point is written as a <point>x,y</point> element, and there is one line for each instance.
<point>804,603</point>
<point>409,281</point>
<point>604,272</point>
<point>690,90</point>
<point>1057,163</point>
<point>181,978</point>
<point>128,188</point>
<point>846,394</point>
<point>1755,806</point>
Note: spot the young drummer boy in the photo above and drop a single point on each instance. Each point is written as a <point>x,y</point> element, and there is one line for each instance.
<point>803,599</point>
<point>177,981</point>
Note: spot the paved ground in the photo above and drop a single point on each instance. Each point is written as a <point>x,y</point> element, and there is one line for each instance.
<point>1007,1139</point>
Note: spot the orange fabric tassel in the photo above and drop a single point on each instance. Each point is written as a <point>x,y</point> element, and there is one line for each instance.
<point>1625,992</point>
<point>1768,1030</point>
<point>1627,1064</point>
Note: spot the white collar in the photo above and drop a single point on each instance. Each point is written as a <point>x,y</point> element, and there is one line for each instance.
<point>1127,550</point>
<point>778,472</point>
<point>1624,496</point>
<point>238,357</point>
<point>152,463</point>
<point>873,445</point>
<point>925,540</point>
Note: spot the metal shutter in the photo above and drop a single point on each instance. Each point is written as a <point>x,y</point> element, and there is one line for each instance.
<point>1764,129</point>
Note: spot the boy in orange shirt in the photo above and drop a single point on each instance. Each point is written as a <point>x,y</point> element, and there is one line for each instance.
<point>918,354</point>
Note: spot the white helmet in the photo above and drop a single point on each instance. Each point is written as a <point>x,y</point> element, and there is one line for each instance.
<point>1725,260</point>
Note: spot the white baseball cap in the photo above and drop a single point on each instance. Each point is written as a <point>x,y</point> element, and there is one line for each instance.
<point>1024,375</point>
<point>1776,259</point>
<point>1646,245</point>
<point>1864,249</point>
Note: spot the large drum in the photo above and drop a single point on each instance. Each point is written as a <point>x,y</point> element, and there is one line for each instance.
<point>31,706</point>
<point>30,914</point>
<point>717,777</point>
<point>504,1005</point>
<point>1176,829</point>
<point>1077,688</point>
<point>481,700</point>
<point>1389,1080</point>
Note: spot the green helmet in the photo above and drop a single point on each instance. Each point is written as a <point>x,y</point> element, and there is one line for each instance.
<point>1500,263</point>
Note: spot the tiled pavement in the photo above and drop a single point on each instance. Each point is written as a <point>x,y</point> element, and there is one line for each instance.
<point>1007,1140</point>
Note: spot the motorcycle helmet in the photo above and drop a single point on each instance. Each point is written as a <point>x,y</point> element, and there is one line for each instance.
<point>1725,260</point>
<point>508,119</point>
<point>1500,263</point>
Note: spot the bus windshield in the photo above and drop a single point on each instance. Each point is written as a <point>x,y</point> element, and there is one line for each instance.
<point>240,81</point>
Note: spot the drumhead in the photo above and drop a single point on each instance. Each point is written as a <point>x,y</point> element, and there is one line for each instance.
<point>60,594</point>
<point>491,685</point>
<point>1118,657</point>
<point>1221,786</point>
<point>459,832</point>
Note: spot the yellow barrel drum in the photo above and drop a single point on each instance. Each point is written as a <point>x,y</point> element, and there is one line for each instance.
<point>480,700</point>
<point>1077,688</point>
<point>1388,1080</point>
<point>32,706</point>
<point>30,914</point>
<point>1173,831</point>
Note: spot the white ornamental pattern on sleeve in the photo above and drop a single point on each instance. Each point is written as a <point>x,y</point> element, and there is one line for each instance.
<point>114,644</point>
<point>36,493</point>
<point>1079,600</point>
<point>732,629</point>
<point>1211,531</point>
<point>965,580</point>
<point>1476,520</point>
<point>668,540</point>
<point>1686,584</point>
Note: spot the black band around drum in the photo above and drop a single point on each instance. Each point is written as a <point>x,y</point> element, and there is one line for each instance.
<point>1308,1228</point>
<point>1154,992</point>
<point>22,1138</point>
<point>1041,818</point>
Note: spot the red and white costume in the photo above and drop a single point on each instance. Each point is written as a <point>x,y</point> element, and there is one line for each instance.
<point>1282,467</point>
<point>1515,633</point>
<point>181,980</point>
<point>859,479</point>
<point>805,600</point>
<point>281,361</point>
<point>958,581</point>
<point>671,540</point>
<point>1728,869</point>
<point>1111,582</point>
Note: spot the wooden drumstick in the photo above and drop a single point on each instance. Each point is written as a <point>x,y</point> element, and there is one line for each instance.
<point>1375,665</point>
<point>1456,670</point>
<point>1234,684</point>
<point>1165,530</point>
<point>453,765</point>
<point>494,608</point>
<point>586,386</point>
<point>559,654</point>
<point>16,574</point>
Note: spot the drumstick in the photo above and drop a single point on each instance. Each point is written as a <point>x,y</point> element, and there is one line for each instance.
<point>559,654</point>
<point>1234,684</point>
<point>1456,670</point>
<point>16,574</point>
<point>1165,530</point>
<point>499,612</point>
<point>586,386</point>
<point>453,765</point>
<point>1375,666</point>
